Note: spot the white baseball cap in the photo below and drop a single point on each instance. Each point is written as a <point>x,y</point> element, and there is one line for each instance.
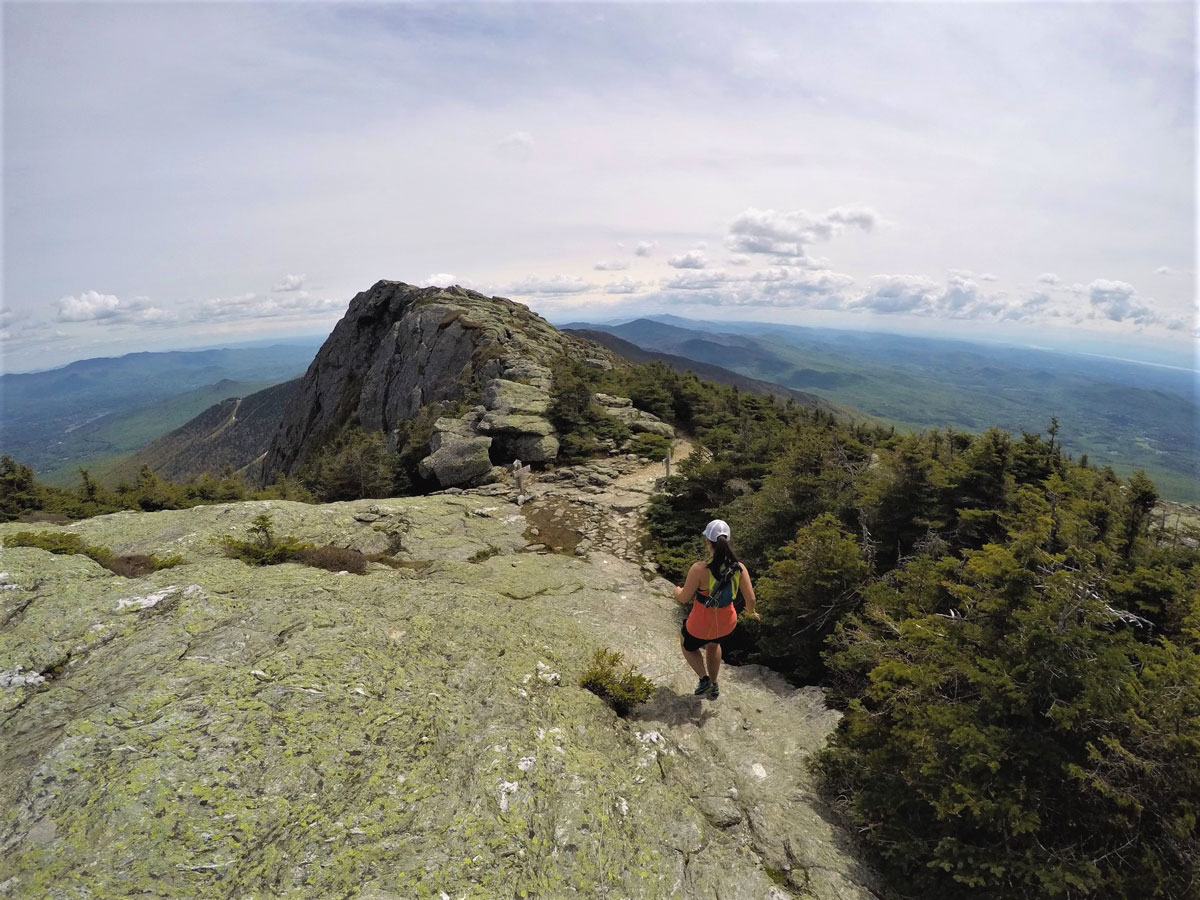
<point>716,528</point>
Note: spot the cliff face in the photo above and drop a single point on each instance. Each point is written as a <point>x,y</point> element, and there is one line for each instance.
<point>221,730</point>
<point>399,348</point>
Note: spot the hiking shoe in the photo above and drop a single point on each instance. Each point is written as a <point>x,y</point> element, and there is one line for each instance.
<point>703,686</point>
<point>713,691</point>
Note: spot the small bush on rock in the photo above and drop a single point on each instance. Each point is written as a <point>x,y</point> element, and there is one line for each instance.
<point>622,690</point>
<point>65,543</point>
<point>264,548</point>
<point>335,559</point>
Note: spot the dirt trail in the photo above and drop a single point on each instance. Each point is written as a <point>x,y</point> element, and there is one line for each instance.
<point>597,506</point>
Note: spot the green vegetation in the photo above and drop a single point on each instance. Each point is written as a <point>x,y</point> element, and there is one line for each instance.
<point>484,554</point>
<point>263,547</point>
<point>66,544</point>
<point>1016,647</point>
<point>650,446</point>
<point>584,428</point>
<point>23,496</point>
<point>620,689</point>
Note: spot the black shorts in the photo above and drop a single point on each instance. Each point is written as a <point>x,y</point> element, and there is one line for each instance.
<point>692,643</point>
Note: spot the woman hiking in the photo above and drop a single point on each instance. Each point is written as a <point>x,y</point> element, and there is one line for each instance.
<point>711,588</point>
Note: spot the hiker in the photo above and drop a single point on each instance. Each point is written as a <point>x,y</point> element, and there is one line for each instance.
<point>718,582</point>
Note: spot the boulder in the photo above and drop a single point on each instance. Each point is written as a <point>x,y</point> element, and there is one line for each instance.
<point>531,448</point>
<point>504,395</point>
<point>637,420</point>
<point>457,458</point>
<point>610,402</point>
<point>510,423</point>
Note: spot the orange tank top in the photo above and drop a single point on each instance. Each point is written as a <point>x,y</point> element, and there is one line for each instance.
<point>710,622</point>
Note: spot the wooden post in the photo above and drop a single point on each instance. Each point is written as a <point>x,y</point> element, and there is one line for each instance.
<point>667,463</point>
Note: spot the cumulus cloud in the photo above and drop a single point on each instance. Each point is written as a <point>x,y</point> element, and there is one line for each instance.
<point>1118,301</point>
<point>93,306</point>
<point>290,283</point>
<point>1049,278</point>
<point>90,306</point>
<point>788,234</point>
<point>959,297</point>
<point>624,286</point>
<point>644,248</point>
<point>556,284</point>
<point>738,259</point>
<point>693,259</point>
<point>610,265</point>
<point>438,279</point>
<point>517,146</point>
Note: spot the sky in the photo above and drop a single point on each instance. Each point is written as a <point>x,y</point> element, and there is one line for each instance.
<point>180,174</point>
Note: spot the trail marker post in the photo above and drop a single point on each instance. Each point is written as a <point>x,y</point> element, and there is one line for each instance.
<point>519,473</point>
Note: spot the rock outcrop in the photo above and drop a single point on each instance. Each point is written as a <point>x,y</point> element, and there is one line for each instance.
<point>636,420</point>
<point>221,730</point>
<point>400,348</point>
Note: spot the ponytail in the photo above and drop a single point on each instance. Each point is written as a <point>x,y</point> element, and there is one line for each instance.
<point>723,555</point>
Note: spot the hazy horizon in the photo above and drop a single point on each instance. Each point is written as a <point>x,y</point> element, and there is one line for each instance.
<point>188,174</point>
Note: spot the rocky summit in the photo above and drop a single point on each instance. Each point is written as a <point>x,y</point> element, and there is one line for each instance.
<point>402,349</point>
<point>219,730</point>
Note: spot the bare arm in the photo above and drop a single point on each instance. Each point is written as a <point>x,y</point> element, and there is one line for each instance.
<point>747,589</point>
<point>686,593</point>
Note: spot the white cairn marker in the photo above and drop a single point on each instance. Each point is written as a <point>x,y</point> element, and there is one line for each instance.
<point>519,473</point>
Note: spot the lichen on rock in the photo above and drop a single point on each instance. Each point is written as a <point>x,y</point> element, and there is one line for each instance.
<point>288,732</point>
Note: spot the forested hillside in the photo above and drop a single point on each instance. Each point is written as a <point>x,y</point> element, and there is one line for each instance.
<point>1120,413</point>
<point>1014,637</point>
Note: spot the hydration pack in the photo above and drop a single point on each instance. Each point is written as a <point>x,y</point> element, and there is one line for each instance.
<point>723,585</point>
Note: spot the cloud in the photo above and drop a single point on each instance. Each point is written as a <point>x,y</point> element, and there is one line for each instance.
<point>778,286</point>
<point>690,281</point>
<point>1049,278</point>
<point>790,233</point>
<point>517,146</point>
<point>738,259</point>
<point>259,306</point>
<point>644,248</point>
<point>610,265</point>
<point>624,286</point>
<point>439,279</point>
<point>557,284</point>
<point>290,283</point>
<point>92,306</point>
<point>960,297</point>
<point>1118,301</point>
<point>693,259</point>
<point>977,276</point>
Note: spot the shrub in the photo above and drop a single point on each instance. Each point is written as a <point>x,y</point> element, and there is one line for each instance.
<point>65,543</point>
<point>135,565</point>
<point>486,553</point>
<point>622,690</point>
<point>335,559</point>
<point>650,446</point>
<point>264,548</point>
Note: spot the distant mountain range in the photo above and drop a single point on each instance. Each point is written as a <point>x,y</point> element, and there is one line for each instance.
<point>92,411</point>
<point>707,371</point>
<point>1125,414</point>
